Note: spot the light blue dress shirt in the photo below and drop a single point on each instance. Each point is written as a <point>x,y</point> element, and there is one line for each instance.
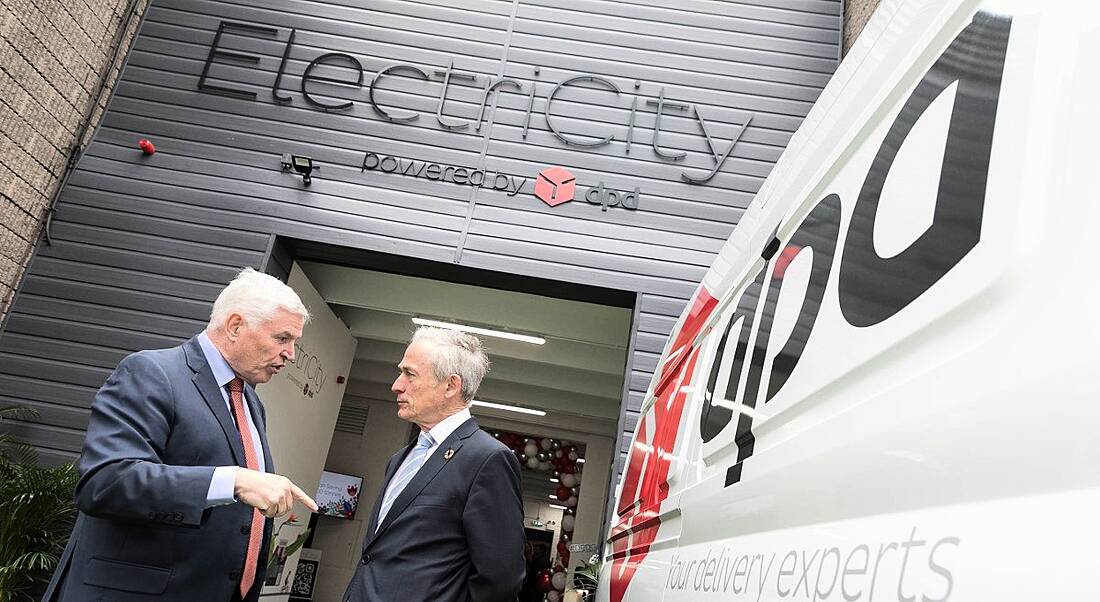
<point>222,484</point>
<point>439,434</point>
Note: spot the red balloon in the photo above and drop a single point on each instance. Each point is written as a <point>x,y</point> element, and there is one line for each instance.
<point>543,580</point>
<point>558,568</point>
<point>568,468</point>
<point>563,493</point>
<point>565,556</point>
<point>563,551</point>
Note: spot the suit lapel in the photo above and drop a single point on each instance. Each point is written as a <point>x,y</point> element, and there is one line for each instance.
<point>204,381</point>
<point>391,469</point>
<point>431,468</point>
<point>256,410</point>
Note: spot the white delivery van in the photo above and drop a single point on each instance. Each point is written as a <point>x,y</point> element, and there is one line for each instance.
<point>887,386</point>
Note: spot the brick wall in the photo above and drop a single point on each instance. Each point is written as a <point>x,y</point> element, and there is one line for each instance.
<point>53,57</point>
<point>856,14</point>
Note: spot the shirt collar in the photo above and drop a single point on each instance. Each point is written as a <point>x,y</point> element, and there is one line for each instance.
<point>222,372</point>
<point>448,425</point>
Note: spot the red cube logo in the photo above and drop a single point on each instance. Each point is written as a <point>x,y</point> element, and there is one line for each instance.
<point>555,185</point>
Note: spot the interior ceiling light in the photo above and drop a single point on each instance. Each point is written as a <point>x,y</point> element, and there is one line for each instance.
<point>489,332</point>
<point>510,408</point>
<point>558,506</point>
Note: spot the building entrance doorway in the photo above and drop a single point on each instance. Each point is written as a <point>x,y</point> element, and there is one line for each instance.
<point>553,393</point>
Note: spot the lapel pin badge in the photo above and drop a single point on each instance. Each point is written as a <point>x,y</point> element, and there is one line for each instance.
<point>448,454</point>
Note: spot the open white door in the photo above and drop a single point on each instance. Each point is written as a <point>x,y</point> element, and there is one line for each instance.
<point>302,403</point>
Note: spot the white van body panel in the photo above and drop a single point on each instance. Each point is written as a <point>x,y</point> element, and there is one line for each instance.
<point>901,403</point>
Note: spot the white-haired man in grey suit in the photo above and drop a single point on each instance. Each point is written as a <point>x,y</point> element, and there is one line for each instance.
<point>448,524</point>
<point>177,490</point>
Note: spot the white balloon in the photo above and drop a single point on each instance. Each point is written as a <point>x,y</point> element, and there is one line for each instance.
<point>577,476</point>
<point>568,480</point>
<point>545,444</point>
<point>544,466</point>
<point>558,581</point>
<point>572,456</point>
<point>553,596</point>
<point>531,449</point>
<point>532,462</point>
<point>572,501</point>
<point>568,522</point>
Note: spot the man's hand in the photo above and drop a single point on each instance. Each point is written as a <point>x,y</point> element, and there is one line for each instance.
<point>271,494</point>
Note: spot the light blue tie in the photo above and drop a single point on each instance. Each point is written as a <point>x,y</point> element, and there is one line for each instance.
<point>412,464</point>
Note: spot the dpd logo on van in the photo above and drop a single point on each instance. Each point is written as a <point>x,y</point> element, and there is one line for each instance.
<point>870,290</point>
<point>556,185</point>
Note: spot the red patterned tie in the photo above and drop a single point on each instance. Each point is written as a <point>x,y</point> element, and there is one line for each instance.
<point>255,535</point>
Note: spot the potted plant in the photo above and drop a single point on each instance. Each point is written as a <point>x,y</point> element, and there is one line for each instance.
<point>586,578</point>
<point>37,511</point>
<point>280,550</point>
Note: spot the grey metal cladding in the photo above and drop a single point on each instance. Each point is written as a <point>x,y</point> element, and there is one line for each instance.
<point>142,244</point>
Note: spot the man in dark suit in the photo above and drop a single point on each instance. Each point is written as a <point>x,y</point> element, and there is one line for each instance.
<point>176,487</point>
<point>448,523</point>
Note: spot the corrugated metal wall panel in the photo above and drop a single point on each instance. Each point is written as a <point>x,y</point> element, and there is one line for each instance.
<point>142,244</point>
<point>90,323</point>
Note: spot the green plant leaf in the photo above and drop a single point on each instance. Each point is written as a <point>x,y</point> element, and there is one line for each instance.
<point>36,516</point>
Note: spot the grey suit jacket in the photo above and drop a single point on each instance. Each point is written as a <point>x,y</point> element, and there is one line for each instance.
<point>159,426</point>
<point>454,534</point>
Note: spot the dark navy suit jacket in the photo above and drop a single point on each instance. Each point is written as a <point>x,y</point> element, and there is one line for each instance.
<point>454,534</point>
<point>158,428</point>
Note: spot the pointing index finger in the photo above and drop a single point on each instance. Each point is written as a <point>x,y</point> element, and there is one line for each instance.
<point>301,495</point>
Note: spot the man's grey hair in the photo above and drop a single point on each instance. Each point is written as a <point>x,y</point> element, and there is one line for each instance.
<point>257,297</point>
<point>455,352</point>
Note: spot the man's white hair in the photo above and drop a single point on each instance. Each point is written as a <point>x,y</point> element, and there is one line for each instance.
<point>455,352</point>
<point>256,297</point>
